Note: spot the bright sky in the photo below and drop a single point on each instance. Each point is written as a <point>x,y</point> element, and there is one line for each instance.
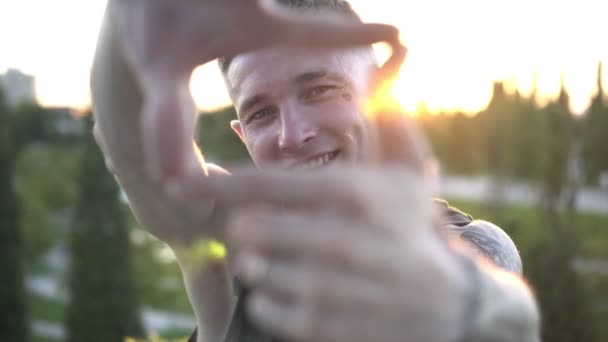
<point>457,48</point>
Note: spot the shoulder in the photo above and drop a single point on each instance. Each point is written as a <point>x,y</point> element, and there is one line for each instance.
<point>488,239</point>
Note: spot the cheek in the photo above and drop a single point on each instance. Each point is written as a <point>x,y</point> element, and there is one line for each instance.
<point>342,114</point>
<point>261,144</point>
<point>348,125</point>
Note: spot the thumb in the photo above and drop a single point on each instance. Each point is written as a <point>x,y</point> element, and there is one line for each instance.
<point>398,139</point>
<point>400,142</point>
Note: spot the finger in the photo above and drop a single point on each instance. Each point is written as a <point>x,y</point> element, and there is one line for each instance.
<point>168,122</point>
<point>323,286</point>
<point>341,243</point>
<point>389,71</point>
<point>336,28</point>
<point>280,319</point>
<point>302,322</point>
<point>344,189</point>
<point>247,184</point>
<point>400,141</point>
<point>397,138</point>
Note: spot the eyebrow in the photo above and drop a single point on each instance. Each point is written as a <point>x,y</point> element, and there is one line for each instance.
<point>317,74</point>
<point>302,78</point>
<point>252,102</point>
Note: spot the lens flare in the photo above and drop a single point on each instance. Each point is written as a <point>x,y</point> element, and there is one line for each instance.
<point>383,101</point>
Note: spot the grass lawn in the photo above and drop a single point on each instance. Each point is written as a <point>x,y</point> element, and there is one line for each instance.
<point>44,339</point>
<point>528,229</point>
<point>45,309</point>
<point>526,226</point>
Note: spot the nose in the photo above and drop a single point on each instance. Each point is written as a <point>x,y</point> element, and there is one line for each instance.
<point>296,130</point>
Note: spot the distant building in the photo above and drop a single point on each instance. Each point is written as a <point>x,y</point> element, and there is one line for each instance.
<point>18,87</point>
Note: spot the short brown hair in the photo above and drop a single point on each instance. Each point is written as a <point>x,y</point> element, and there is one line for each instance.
<point>337,6</point>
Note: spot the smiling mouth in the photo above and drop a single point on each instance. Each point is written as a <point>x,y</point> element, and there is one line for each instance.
<point>320,161</point>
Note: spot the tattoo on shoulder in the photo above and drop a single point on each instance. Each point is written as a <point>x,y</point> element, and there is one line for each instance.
<point>493,242</point>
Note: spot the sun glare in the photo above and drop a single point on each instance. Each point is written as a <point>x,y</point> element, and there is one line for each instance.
<point>456,50</point>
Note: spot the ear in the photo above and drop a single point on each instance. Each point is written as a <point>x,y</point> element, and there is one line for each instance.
<point>238,129</point>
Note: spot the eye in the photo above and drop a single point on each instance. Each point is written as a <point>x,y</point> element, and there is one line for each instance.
<point>260,114</point>
<point>318,91</point>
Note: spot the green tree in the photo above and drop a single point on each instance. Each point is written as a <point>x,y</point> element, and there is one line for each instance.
<point>13,314</point>
<point>526,137</point>
<point>560,126</point>
<point>455,140</point>
<point>565,301</point>
<point>32,124</point>
<point>104,304</point>
<point>495,122</point>
<point>595,133</point>
<point>46,166</point>
<point>218,141</point>
<point>47,188</point>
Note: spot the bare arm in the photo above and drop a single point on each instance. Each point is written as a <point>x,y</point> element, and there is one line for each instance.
<point>507,310</point>
<point>117,101</point>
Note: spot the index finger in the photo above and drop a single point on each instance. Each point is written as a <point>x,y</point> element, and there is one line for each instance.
<point>347,188</point>
<point>338,27</point>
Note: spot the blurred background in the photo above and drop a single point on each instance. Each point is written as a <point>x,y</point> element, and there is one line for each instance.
<point>512,96</point>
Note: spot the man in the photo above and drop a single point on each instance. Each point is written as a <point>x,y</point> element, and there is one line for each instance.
<point>351,254</point>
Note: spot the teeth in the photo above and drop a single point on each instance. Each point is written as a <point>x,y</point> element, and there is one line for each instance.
<point>317,162</point>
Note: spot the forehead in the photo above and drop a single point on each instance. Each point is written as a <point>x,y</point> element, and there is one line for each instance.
<point>269,70</point>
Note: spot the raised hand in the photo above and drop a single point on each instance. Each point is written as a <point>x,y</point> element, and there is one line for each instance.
<point>165,40</point>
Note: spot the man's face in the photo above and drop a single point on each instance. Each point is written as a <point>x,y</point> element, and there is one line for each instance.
<point>301,108</point>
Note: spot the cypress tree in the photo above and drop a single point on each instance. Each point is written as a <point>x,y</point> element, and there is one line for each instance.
<point>13,312</point>
<point>549,262</point>
<point>595,133</point>
<point>103,304</point>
